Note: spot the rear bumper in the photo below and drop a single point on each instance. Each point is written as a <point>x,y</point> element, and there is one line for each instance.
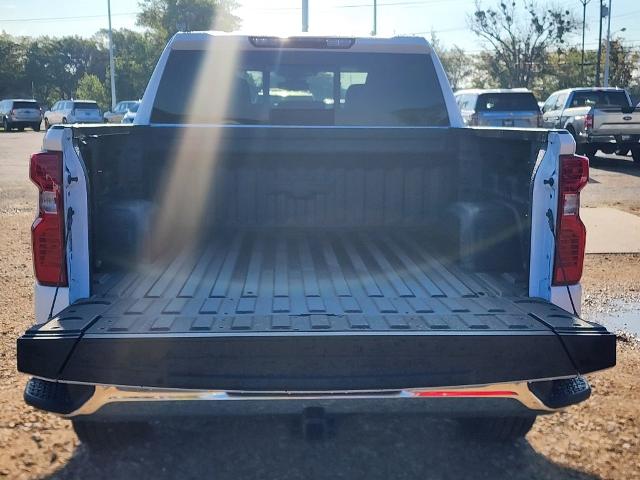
<point>622,139</point>
<point>111,402</point>
<point>24,123</point>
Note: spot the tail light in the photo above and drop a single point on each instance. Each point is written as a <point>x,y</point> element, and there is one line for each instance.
<point>588,121</point>
<point>47,231</point>
<point>570,232</point>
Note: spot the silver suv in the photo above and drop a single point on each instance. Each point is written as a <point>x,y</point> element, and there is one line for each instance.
<point>73,111</point>
<point>516,107</point>
<point>20,113</point>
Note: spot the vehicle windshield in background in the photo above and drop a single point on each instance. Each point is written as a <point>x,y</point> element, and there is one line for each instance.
<point>599,99</point>
<point>25,105</point>
<point>85,106</point>
<point>304,88</point>
<point>507,102</point>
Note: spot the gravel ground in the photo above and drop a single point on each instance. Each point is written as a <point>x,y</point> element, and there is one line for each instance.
<point>597,439</point>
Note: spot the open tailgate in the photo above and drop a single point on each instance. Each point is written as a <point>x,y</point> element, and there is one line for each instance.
<point>149,343</point>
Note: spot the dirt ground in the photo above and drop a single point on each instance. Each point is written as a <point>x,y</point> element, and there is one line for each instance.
<point>597,439</point>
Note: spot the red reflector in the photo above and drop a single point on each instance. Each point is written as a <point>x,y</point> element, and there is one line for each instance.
<point>466,393</point>
<point>48,251</point>
<point>47,231</point>
<point>571,233</point>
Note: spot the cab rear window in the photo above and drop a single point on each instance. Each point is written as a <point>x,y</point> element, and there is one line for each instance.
<point>25,105</point>
<point>507,102</point>
<point>85,106</point>
<point>599,99</point>
<point>280,87</point>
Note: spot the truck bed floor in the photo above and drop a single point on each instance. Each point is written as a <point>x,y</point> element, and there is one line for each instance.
<point>242,276</point>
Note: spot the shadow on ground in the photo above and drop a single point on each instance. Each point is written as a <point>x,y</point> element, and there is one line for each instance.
<point>363,446</point>
<point>616,164</point>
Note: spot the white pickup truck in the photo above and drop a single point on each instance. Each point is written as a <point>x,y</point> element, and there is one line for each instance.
<point>305,222</point>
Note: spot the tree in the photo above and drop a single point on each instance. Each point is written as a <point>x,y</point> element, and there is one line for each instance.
<point>166,17</point>
<point>623,64</point>
<point>520,36</point>
<point>135,55</point>
<point>12,81</point>
<point>91,88</point>
<point>562,69</point>
<point>456,63</point>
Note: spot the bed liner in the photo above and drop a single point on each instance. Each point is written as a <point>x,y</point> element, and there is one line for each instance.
<point>304,310</point>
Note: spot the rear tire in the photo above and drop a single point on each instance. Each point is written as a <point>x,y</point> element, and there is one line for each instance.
<point>21,129</point>
<point>497,429</point>
<point>108,436</point>
<point>582,148</point>
<point>6,125</point>
<point>36,127</point>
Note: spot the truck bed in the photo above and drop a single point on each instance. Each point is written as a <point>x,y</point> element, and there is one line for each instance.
<point>307,310</point>
<point>241,276</point>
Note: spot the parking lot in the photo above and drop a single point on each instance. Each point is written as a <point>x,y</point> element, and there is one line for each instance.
<point>597,439</point>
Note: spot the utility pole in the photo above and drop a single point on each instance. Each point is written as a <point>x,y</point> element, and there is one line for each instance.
<point>584,20</point>
<point>111,63</point>
<point>305,15</point>
<point>606,58</point>
<point>374,32</point>
<point>603,9</point>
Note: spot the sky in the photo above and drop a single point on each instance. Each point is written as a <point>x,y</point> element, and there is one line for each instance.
<point>447,18</point>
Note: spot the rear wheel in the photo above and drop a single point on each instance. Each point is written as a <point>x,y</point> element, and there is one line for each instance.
<point>497,429</point>
<point>21,129</point>
<point>6,125</point>
<point>107,436</point>
<point>36,127</point>
<point>622,152</point>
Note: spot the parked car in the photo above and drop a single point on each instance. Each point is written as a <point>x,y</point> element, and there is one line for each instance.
<point>356,251</point>
<point>598,118</point>
<point>72,111</point>
<point>516,107</point>
<point>118,112</point>
<point>20,113</point>
<point>130,116</point>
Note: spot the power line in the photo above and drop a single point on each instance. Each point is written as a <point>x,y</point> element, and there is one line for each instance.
<point>363,5</point>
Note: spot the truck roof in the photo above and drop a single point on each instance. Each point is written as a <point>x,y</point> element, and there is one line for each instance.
<point>492,90</point>
<point>299,41</point>
<point>591,89</point>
